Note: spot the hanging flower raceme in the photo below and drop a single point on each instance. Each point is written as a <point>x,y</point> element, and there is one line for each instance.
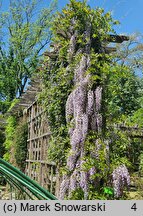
<point>121,179</point>
<point>84,103</point>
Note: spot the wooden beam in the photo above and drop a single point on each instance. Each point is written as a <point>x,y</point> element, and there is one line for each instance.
<point>42,162</point>
<point>117,38</point>
<point>38,137</point>
<point>24,104</point>
<point>110,49</point>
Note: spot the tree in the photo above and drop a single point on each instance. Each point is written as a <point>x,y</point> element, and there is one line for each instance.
<point>124,86</point>
<point>123,93</point>
<point>130,52</point>
<point>27,33</point>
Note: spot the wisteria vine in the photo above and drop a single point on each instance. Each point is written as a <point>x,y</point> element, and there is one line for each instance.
<point>75,77</point>
<point>121,179</point>
<point>83,113</point>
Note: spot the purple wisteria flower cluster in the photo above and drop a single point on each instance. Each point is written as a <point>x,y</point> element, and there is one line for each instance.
<point>121,179</point>
<point>83,113</point>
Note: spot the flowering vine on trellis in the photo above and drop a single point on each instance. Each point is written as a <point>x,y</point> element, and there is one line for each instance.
<point>76,72</point>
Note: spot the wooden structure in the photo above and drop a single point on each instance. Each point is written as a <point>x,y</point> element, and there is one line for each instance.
<point>131,131</point>
<point>27,98</point>
<point>37,166</point>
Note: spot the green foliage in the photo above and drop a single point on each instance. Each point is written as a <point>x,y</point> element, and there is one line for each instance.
<point>10,131</point>
<point>103,162</point>
<point>57,88</point>
<point>58,84</point>
<point>135,152</point>
<point>105,193</point>
<point>58,71</point>
<point>130,53</point>
<point>77,194</point>
<point>119,148</point>
<point>136,118</point>
<point>141,164</point>
<point>94,143</point>
<point>13,103</point>
<point>121,87</point>
<point>137,192</point>
<point>2,139</point>
<point>26,36</point>
<point>4,105</point>
<point>101,22</point>
<point>15,144</point>
<point>2,135</point>
<point>8,82</point>
<point>60,145</point>
<point>121,95</point>
<point>20,144</point>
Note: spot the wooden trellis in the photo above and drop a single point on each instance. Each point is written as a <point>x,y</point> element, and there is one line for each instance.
<point>37,166</point>
<point>132,131</point>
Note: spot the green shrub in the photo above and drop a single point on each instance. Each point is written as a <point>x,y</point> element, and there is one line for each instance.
<point>20,144</point>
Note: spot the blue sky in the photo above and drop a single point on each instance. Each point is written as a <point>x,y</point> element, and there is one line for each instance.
<point>128,12</point>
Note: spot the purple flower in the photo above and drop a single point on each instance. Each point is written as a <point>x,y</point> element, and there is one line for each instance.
<point>92,171</point>
<point>84,183</point>
<point>71,161</point>
<point>76,139</point>
<point>121,178</point>
<point>64,187</point>
<point>69,107</point>
<point>90,103</point>
<point>84,125</point>
<point>74,181</point>
<point>98,98</point>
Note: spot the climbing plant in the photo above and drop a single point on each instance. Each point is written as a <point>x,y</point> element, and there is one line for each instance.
<point>16,133</point>
<point>74,73</point>
<point>86,93</point>
<point>10,131</point>
<point>20,144</point>
<point>16,141</point>
<point>77,73</point>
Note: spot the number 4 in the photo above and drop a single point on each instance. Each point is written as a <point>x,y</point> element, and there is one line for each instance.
<point>134,207</point>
